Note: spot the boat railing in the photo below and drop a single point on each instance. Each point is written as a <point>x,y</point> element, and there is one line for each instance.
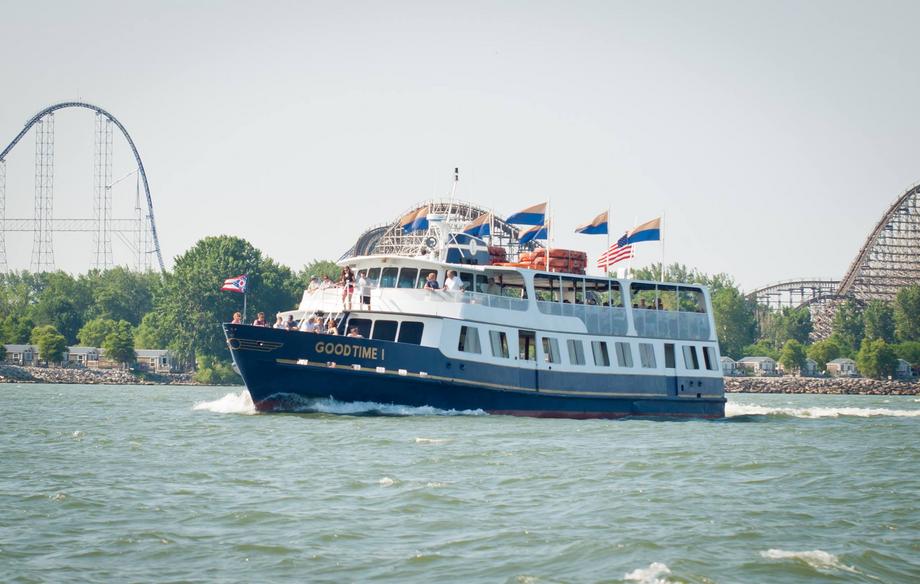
<point>671,324</point>
<point>599,320</point>
<point>332,295</point>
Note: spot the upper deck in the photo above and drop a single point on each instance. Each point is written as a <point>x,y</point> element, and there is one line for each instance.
<point>529,298</point>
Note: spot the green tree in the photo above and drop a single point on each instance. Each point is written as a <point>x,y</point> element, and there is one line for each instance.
<point>822,352</point>
<point>736,325</point>
<point>211,371</point>
<point>152,332</point>
<point>119,343</point>
<point>760,349</point>
<point>318,268</point>
<point>192,306</point>
<point>907,313</point>
<point>95,331</point>
<point>909,351</point>
<point>876,359</point>
<point>16,329</point>
<point>120,294</point>
<point>51,344</point>
<point>792,356</point>
<point>848,328</point>
<point>2,352</point>
<point>878,318</point>
<point>786,324</point>
<point>62,302</point>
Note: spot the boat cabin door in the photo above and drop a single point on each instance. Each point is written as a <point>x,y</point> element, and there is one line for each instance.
<point>527,359</point>
<point>670,368</point>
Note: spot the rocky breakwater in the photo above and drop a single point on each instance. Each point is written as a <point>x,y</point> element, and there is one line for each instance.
<point>833,385</point>
<point>17,374</point>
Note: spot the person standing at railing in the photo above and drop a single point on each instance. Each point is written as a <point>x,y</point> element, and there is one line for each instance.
<point>314,284</point>
<point>431,282</point>
<point>347,281</point>
<point>452,283</point>
<point>364,292</point>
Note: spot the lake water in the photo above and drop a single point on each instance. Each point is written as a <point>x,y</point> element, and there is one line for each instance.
<point>172,484</point>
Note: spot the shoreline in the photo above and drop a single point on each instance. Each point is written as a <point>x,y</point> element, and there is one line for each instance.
<point>80,375</point>
<point>821,386</point>
<point>791,385</point>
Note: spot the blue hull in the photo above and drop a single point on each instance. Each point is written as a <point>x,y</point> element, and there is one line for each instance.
<point>277,363</point>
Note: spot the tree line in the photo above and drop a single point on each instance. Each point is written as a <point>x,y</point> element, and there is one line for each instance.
<point>875,334</point>
<point>181,310</point>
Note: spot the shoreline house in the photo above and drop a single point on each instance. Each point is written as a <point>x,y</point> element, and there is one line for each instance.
<point>729,368</point>
<point>155,360</point>
<point>808,369</point>
<point>903,370</point>
<point>842,367</point>
<point>757,365</point>
<point>25,355</point>
<point>83,356</point>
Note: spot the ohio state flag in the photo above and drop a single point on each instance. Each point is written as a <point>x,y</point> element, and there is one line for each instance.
<point>235,284</point>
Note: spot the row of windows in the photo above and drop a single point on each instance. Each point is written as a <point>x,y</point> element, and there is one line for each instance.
<point>407,331</point>
<point>500,284</point>
<point>623,351</point>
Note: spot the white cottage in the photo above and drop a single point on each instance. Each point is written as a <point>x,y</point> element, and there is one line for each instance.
<point>842,367</point>
<point>728,366</point>
<point>757,365</point>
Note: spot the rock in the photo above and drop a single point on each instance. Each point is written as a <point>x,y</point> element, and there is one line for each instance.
<point>832,385</point>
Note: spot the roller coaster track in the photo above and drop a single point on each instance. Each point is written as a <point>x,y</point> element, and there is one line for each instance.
<point>137,157</point>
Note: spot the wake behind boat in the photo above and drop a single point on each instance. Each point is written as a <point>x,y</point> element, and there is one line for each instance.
<point>448,321</point>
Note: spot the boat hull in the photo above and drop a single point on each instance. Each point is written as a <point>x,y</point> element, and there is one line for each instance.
<point>277,364</point>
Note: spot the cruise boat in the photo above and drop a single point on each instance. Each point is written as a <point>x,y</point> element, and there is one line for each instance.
<point>532,339</point>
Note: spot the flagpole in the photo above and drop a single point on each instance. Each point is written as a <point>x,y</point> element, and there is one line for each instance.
<point>549,229</point>
<point>661,263</point>
<point>244,303</point>
<point>607,257</point>
<point>632,252</point>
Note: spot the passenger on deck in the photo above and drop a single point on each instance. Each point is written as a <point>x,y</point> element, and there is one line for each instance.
<point>452,283</point>
<point>642,304</point>
<point>493,288</point>
<point>279,322</point>
<point>431,282</point>
<point>660,304</point>
<point>237,318</point>
<point>318,324</point>
<point>347,281</point>
<point>306,324</point>
<point>314,284</point>
<point>353,332</point>
<point>326,283</point>
<point>289,324</point>
<point>331,328</point>
<point>260,320</point>
<point>364,292</point>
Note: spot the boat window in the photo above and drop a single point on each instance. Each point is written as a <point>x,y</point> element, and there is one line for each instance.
<point>423,276</point>
<point>510,284</point>
<point>596,291</point>
<point>410,331</point>
<point>550,350</point>
<point>384,330</point>
<point>407,278</point>
<point>547,287</point>
<point>690,358</point>
<point>647,355</point>
<point>709,356</point>
<point>654,296</point>
<point>669,361</point>
<point>576,352</point>
<point>482,284</point>
<point>624,354</point>
<point>527,345</point>
<point>363,325</point>
<point>388,277</point>
<point>573,290</point>
<point>691,300</point>
<point>467,279</point>
<point>469,340</point>
<point>615,297</point>
<point>601,357</point>
<point>373,275</point>
<point>499,341</point>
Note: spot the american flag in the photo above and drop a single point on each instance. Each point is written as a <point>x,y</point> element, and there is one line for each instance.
<point>235,284</point>
<point>619,251</point>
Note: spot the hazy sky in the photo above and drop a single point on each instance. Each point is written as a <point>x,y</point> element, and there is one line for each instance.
<point>773,134</point>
